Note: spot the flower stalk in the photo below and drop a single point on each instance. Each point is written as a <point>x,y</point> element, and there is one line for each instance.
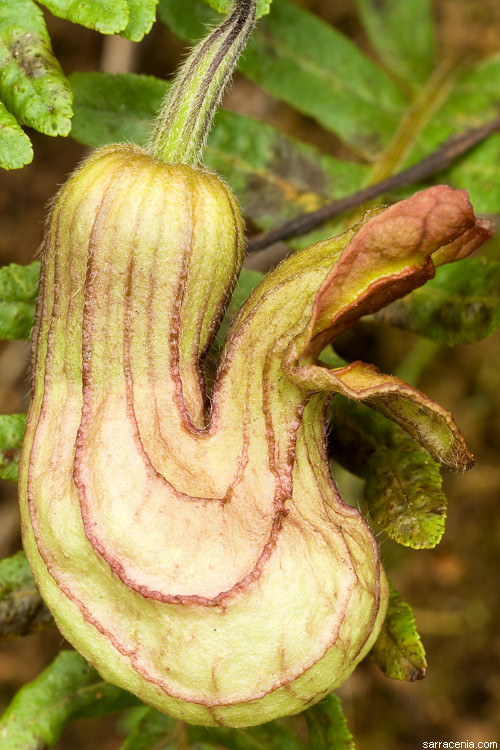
<point>186,115</point>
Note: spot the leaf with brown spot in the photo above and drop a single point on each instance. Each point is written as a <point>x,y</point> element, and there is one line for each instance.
<point>403,482</point>
<point>32,84</point>
<point>398,650</point>
<point>22,610</point>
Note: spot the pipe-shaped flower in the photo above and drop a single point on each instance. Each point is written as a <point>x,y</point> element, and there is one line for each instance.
<point>196,551</point>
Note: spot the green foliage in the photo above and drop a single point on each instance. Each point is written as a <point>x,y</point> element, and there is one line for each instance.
<point>68,689</point>
<point>11,439</point>
<point>18,291</point>
<point>276,177</point>
<point>22,610</point>
<point>403,36</point>
<point>188,23</point>
<point>247,281</point>
<point>112,108</point>
<point>461,305</point>
<point>478,173</point>
<point>398,651</point>
<point>470,99</point>
<point>303,61</point>
<point>405,496</point>
<point>106,16</point>
<point>33,87</point>
<point>155,731</point>
<point>142,14</point>
<point>403,482</point>
<point>130,18</point>
<point>327,726</point>
<point>15,146</point>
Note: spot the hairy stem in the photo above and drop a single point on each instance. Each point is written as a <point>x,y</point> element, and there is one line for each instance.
<point>186,115</point>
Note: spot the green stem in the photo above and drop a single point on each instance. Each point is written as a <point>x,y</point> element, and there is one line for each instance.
<point>430,99</point>
<point>185,117</point>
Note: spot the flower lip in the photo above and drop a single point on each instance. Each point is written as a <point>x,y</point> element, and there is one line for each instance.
<point>394,252</point>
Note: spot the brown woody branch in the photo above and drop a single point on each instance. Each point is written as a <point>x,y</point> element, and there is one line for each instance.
<point>436,162</point>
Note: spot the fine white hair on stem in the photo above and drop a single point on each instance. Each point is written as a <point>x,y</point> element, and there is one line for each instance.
<point>186,114</point>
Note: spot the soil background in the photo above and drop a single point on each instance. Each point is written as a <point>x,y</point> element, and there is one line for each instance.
<point>454,589</point>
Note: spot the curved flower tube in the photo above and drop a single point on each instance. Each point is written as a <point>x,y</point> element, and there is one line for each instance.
<point>197,552</point>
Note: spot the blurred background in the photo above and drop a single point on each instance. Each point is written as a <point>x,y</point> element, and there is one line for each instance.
<point>453,589</point>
